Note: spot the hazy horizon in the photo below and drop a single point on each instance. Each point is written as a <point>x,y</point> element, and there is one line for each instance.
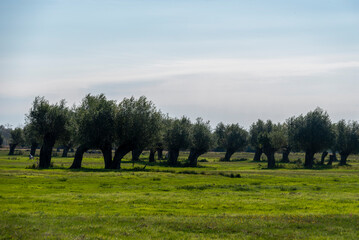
<point>229,61</point>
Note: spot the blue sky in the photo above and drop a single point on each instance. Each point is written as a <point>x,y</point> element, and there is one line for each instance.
<point>230,61</point>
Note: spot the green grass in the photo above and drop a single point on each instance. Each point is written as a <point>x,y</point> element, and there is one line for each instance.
<point>232,200</point>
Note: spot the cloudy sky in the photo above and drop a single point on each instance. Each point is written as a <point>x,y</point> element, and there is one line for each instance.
<point>230,61</point>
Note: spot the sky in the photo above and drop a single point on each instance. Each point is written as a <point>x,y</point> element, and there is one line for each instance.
<point>230,61</point>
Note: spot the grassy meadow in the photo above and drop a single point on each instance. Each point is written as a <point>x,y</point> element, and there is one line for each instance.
<point>240,199</point>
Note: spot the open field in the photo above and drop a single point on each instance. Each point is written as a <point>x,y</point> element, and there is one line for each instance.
<point>233,200</point>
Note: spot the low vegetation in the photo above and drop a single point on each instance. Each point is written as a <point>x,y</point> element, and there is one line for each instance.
<point>240,199</point>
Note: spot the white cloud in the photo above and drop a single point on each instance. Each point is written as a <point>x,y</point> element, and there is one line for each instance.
<point>29,78</point>
<point>232,90</point>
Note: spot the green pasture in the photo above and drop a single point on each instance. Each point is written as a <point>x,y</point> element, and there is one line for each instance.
<point>240,199</point>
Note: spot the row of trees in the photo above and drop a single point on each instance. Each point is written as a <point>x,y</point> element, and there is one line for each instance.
<point>134,125</point>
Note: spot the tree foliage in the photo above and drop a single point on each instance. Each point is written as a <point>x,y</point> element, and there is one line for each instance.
<point>95,120</point>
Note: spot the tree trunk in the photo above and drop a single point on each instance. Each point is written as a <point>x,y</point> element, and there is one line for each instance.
<point>285,155</point>
<point>107,155</point>
<point>33,148</point>
<point>46,151</point>
<point>119,154</point>
<point>228,155</point>
<point>66,150</point>
<point>12,149</point>
<point>343,159</point>
<point>309,159</point>
<point>152,155</point>
<point>331,159</point>
<point>257,155</point>
<point>193,157</point>
<point>78,157</point>
<point>172,157</point>
<point>136,153</point>
<point>270,158</point>
<point>160,153</point>
<point>322,159</point>
<point>335,157</point>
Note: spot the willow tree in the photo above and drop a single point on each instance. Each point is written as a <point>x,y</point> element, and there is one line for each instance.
<point>137,124</point>
<point>94,121</point>
<point>311,133</point>
<point>32,138</point>
<point>177,138</point>
<point>272,138</point>
<point>50,121</point>
<point>17,137</point>
<point>287,147</point>
<point>255,130</point>
<point>68,140</point>
<point>231,137</point>
<point>158,143</point>
<point>347,139</point>
<point>201,140</point>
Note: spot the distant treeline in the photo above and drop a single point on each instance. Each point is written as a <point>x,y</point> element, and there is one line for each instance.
<point>135,125</point>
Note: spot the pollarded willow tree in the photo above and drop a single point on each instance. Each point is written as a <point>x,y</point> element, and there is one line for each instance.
<point>158,143</point>
<point>231,137</point>
<point>137,126</point>
<point>94,121</point>
<point>50,121</point>
<point>178,137</point>
<point>31,138</point>
<point>68,140</point>
<point>17,137</point>
<point>254,131</point>
<point>311,133</point>
<point>201,140</point>
<point>271,139</point>
<point>347,139</point>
